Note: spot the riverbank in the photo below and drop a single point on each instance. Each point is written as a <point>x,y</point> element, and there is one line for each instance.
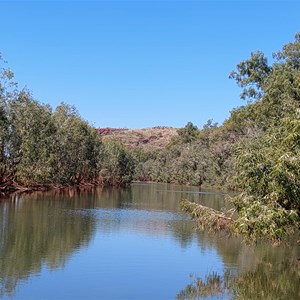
<point>7,190</point>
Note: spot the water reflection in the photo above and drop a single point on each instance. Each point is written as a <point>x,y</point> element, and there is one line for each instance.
<point>35,231</point>
<point>44,231</point>
<point>45,228</point>
<point>267,282</point>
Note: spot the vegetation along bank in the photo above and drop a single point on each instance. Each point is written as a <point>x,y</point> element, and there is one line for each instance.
<point>256,151</point>
<point>41,148</point>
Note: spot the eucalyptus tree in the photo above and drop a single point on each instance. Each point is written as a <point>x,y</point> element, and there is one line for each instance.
<point>76,147</point>
<point>251,75</point>
<point>117,164</point>
<point>31,135</point>
<point>268,166</point>
<point>265,153</point>
<point>39,146</point>
<point>7,92</point>
<point>268,172</point>
<point>274,86</point>
<point>188,133</point>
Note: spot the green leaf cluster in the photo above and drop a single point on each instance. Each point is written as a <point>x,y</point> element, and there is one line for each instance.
<point>267,166</point>
<point>117,164</point>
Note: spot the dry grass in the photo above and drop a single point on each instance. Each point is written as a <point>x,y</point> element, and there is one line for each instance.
<point>146,138</point>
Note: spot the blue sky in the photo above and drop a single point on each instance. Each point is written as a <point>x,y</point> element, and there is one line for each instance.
<point>138,64</point>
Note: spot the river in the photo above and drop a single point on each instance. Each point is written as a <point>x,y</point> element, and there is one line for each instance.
<point>132,243</point>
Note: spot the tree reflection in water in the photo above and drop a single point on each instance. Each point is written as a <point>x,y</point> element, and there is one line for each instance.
<point>43,230</point>
<point>34,235</point>
<point>266,282</point>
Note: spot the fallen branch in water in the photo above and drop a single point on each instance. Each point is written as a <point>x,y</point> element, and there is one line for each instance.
<point>208,218</point>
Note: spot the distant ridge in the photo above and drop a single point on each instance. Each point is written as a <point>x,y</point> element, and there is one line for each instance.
<point>109,130</point>
<point>147,138</point>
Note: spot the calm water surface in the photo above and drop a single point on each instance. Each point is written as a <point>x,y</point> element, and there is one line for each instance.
<point>132,243</point>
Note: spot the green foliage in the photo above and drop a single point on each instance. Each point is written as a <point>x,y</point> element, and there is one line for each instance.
<point>49,148</point>
<point>290,54</point>
<point>76,147</point>
<point>188,133</point>
<point>251,75</point>
<point>269,175</point>
<point>208,218</point>
<point>267,166</point>
<point>256,150</point>
<point>7,91</point>
<point>41,147</point>
<point>30,145</point>
<point>117,164</point>
<point>206,160</point>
